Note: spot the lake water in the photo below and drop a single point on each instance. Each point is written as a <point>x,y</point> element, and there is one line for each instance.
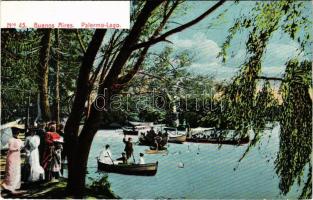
<point>209,172</point>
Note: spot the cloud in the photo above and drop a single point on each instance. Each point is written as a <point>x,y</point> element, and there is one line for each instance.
<point>205,51</point>
<point>278,53</point>
<point>204,48</point>
<point>276,56</point>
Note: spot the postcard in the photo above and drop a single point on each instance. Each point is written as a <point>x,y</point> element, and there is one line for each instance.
<point>156,99</point>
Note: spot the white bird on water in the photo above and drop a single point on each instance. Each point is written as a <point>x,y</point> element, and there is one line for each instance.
<point>180,165</point>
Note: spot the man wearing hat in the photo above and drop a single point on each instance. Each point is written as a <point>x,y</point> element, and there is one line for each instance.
<point>128,146</point>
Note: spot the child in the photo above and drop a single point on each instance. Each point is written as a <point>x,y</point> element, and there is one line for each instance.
<point>56,161</point>
<point>141,159</point>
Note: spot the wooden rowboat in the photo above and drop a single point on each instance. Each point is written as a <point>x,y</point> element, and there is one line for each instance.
<point>153,151</point>
<point>134,130</point>
<point>149,169</point>
<point>130,131</point>
<point>244,140</point>
<point>177,138</point>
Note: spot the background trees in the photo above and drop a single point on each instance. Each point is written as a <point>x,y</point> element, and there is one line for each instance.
<point>29,60</point>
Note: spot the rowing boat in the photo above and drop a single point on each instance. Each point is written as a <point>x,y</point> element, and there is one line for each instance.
<point>177,138</point>
<point>153,151</point>
<point>244,140</point>
<point>127,131</point>
<point>149,169</point>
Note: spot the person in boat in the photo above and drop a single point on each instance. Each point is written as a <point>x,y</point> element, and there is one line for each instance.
<point>50,137</point>
<point>36,172</point>
<point>157,141</point>
<point>12,180</point>
<point>160,134</point>
<point>128,147</point>
<point>141,159</point>
<point>106,155</point>
<point>122,159</point>
<point>152,132</point>
<point>166,133</point>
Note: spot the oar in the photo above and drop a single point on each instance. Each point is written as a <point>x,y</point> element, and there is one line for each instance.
<point>133,157</point>
<point>110,158</point>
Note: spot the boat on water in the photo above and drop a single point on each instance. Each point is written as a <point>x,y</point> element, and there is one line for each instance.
<point>154,151</point>
<point>229,141</point>
<point>134,128</point>
<point>149,169</point>
<point>150,140</point>
<point>213,136</point>
<point>130,131</point>
<point>175,136</point>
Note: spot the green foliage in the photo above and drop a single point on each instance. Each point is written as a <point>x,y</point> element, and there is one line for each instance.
<point>19,54</point>
<point>101,188</point>
<point>152,115</point>
<point>19,75</point>
<point>295,149</point>
<point>250,108</point>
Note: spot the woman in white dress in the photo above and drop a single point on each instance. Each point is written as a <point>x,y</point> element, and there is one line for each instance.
<point>106,155</point>
<point>37,173</point>
<point>12,180</point>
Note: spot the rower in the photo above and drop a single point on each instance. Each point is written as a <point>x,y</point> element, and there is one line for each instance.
<point>128,146</point>
<point>106,155</point>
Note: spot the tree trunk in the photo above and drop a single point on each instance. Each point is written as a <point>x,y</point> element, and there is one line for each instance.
<point>57,79</point>
<point>73,122</point>
<point>91,126</point>
<point>43,69</point>
<point>77,182</point>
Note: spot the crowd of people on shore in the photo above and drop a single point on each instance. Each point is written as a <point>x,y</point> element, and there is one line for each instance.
<point>106,154</point>
<point>43,147</point>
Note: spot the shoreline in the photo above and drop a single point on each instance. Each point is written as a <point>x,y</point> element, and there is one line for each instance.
<point>53,190</point>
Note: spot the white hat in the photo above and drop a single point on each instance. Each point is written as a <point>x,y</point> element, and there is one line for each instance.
<point>60,140</point>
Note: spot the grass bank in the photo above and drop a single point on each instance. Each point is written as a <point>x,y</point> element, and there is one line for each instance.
<point>99,189</point>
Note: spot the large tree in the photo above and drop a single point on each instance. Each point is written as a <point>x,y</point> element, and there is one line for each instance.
<point>123,47</point>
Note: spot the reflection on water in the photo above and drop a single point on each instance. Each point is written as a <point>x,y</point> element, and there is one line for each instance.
<point>207,171</point>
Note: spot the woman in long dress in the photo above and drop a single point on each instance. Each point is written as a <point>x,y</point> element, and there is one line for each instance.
<point>12,179</point>
<point>48,155</point>
<point>36,171</point>
<point>106,155</point>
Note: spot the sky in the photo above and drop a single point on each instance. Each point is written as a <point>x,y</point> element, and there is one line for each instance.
<point>204,40</point>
